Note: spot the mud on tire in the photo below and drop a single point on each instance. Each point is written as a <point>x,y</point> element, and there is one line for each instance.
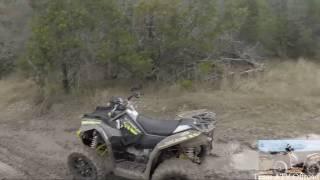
<point>86,164</point>
<point>178,169</point>
<point>279,167</point>
<point>312,169</point>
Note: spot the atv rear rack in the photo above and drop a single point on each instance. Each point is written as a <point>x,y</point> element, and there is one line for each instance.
<point>205,120</point>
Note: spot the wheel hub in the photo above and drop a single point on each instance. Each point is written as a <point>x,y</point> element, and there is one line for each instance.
<point>83,167</point>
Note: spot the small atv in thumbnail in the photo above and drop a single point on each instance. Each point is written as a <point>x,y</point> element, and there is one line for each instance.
<point>292,163</point>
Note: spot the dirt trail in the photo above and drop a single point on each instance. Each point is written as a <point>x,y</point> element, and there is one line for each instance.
<point>36,147</point>
<point>30,152</point>
<point>30,147</point>
<point>34,153</point>
<point>8,171</point>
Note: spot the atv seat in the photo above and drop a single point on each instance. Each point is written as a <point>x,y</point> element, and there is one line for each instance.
<point>158,127</point>
<point>100,113</point>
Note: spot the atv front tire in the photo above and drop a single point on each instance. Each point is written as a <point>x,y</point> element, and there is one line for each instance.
<point>279,167</point>
<point>86,164</point>
<point>178,169</point>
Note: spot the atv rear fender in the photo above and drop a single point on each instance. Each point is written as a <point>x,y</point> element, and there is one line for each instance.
<point>180,138</point>
<point>312,158</point>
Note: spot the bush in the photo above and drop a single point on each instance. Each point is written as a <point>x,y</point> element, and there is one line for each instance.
<point>6,66</point>
<point>186,84</point>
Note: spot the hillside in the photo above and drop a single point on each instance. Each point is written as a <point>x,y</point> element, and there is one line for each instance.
<point>275,105</point>
<point>255,63</point>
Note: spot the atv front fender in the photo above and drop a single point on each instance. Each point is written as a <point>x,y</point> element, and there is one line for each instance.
<point>104,134</point>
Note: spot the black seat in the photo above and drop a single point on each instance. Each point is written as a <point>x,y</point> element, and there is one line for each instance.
<point>158,127</point>
<point>99,113</point>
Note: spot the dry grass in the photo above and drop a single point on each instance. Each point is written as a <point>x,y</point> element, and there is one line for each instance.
<point>16,97</point>
<point>281,103</point>
<point>14,89</point>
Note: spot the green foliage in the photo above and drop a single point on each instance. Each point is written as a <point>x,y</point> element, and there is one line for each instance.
<point>235,15</point>
<point>186,84</point>
<point>7,58</point>
<point>206,67</point>
<point>13,32</point>
<point>281,29</point>
<point>178,33</point>
<point>249,29</point>
<point>56,43</point>
<point>6,66</point>
<point>164,39</point>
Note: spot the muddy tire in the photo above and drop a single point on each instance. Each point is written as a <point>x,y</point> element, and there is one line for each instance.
<point>86,164</point>
<point>312,169</point>
<point>279,167</point>
<point>177,169</point>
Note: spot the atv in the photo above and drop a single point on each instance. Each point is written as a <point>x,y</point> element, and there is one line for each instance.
<point>310,165</point>
<point>117,141</point>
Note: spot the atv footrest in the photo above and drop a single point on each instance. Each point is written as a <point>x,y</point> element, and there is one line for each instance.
<point>139,167</point>
<point>130,169</point>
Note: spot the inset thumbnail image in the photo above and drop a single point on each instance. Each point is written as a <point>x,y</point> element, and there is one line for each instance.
<point>293,158</point>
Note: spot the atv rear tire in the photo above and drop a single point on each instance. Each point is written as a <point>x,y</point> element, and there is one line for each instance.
<point>86,164</point>
<point>177,169</point>
<point>312,169</point>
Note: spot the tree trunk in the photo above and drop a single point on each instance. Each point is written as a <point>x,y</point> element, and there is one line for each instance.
<point>65,79</point>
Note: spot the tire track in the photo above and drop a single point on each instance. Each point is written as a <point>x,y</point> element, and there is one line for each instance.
<point>24,159</point>
<point>9,172</point>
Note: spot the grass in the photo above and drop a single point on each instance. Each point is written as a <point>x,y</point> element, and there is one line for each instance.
<point>283,102</point>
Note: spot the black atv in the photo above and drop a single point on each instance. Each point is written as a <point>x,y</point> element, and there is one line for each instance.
<point>118,141</point>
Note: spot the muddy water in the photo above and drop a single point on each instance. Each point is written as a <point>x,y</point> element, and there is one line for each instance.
<point>234,160</point>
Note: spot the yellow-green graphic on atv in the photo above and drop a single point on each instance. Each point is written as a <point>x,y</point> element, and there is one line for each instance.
<point>87,121</point>
<point>78,133</point>
<point>102,150</point>
<point>131,128</point>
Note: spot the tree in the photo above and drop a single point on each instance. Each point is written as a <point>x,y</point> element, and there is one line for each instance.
<point>177,34</point>
<point>162,40</point>
<point>14,16</point>
<point>249,29</point>
<point>56,44</point>
<point>308,42</point>
<point>287,28</point>
<point>117,43</point>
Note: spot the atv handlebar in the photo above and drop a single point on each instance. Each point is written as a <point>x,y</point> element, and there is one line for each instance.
<point>289,148</point>
<point>135,94</point>
<point>117,103</point>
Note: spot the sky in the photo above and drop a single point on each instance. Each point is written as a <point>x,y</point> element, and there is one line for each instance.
<point>280,145</point>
